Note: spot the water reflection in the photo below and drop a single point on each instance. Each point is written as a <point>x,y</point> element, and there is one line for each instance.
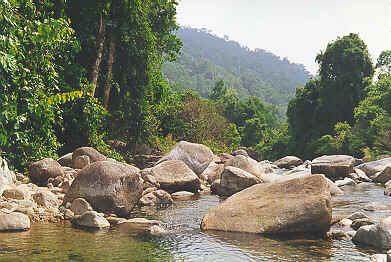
<point>185,241</point>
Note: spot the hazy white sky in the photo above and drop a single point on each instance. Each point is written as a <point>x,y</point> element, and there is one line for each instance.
<point>297,29</point>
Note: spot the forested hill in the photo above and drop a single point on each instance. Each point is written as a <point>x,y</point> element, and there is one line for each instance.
<point>207,58</point>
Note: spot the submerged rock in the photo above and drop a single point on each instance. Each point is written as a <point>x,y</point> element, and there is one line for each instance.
<point>297,205</point>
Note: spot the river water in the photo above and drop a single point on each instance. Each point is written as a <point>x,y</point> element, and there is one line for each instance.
<point>185,241</point>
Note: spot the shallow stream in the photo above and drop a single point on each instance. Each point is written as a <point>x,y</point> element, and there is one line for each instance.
<point>185,241</point>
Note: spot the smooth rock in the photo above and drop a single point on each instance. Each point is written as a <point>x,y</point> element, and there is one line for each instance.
<point>66,160</point>
<point>356,224</point>
<point>92,153</point>
<point>14,193</point>
<point>377,235</point>
<point>212,172</point>
<point>371,168</point>
<point>158,197</point>
<point>345,222</point>
<point>175,175</point>
<point>80,162</point>
<point>361,175</point>
<point>91,219</point>
<point>41,171</point>
<point>14,222</point>
<point>357,215</point>
<point>337,235</point>
<point>297,205</point>
<point>108,186</point>
<point>250,165</point>
<point>196,156</point>
<point>288,162</point>
<point>183,195</point>
<point>334,166</point>
<point>345,182</point>
<point>384,176</point>
<point>234,180</point>
<point>79,206</point>
<point>240,152</point>
<point>46,199</point>
<point>137,225</point>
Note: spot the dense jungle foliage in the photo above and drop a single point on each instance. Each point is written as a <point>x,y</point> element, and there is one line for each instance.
<point>84,73</point>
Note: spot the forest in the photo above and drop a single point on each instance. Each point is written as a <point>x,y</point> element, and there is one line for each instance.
<point>77,73</point>
<point>206,58</point>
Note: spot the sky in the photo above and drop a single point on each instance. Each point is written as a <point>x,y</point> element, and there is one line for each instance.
<point>296,29</point>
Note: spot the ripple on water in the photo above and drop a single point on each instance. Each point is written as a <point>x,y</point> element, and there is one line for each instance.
<point>185,241</point>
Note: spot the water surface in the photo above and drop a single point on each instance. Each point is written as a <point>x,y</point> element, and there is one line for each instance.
<point>185,241</point>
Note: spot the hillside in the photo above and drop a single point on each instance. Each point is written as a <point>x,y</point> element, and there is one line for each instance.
<point>207,58</point>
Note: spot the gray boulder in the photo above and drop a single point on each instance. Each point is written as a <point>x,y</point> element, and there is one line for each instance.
<point>42,170</point>
<point>92,153</point>
<point>157,197</point>
<point>234,180</point>
<point>288,161</point>
<point>383,176</point>
<point>14,222</point>
<point>196,156</point>
<point>212,172</point>
<point>65,160</point>
<point>377,235</point>
<point>371,168</point>
<point>91,219</point>
<point>334,166</point>
<point>297,205</point>
<point>175,175</point>
<point>79,206</point>
<point>250,165</point>
<point>108,186</point>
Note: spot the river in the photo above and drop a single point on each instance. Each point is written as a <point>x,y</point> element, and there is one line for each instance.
<point>185,241</point>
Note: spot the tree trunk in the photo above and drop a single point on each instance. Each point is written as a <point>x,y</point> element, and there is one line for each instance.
<point>110,60</point>
<point>100,42</point>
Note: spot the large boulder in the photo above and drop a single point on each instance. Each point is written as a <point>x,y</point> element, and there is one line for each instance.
<point>92,153</point>
<point>108,186</point>
<point>42,170</point>
<point>212,172</point>
<point>383,176</point>
<point>195,156</point>
<point>334,166</point>
<point>233,180</point>
<point>14,222</point>
<point>288,162</point>
<point>250,165</point>
<point>65,160</point>
<point>371,168</point>
<point>175,175</point>
<point>297,205</point>
<point>377,235</point>
<point>6,176</point>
